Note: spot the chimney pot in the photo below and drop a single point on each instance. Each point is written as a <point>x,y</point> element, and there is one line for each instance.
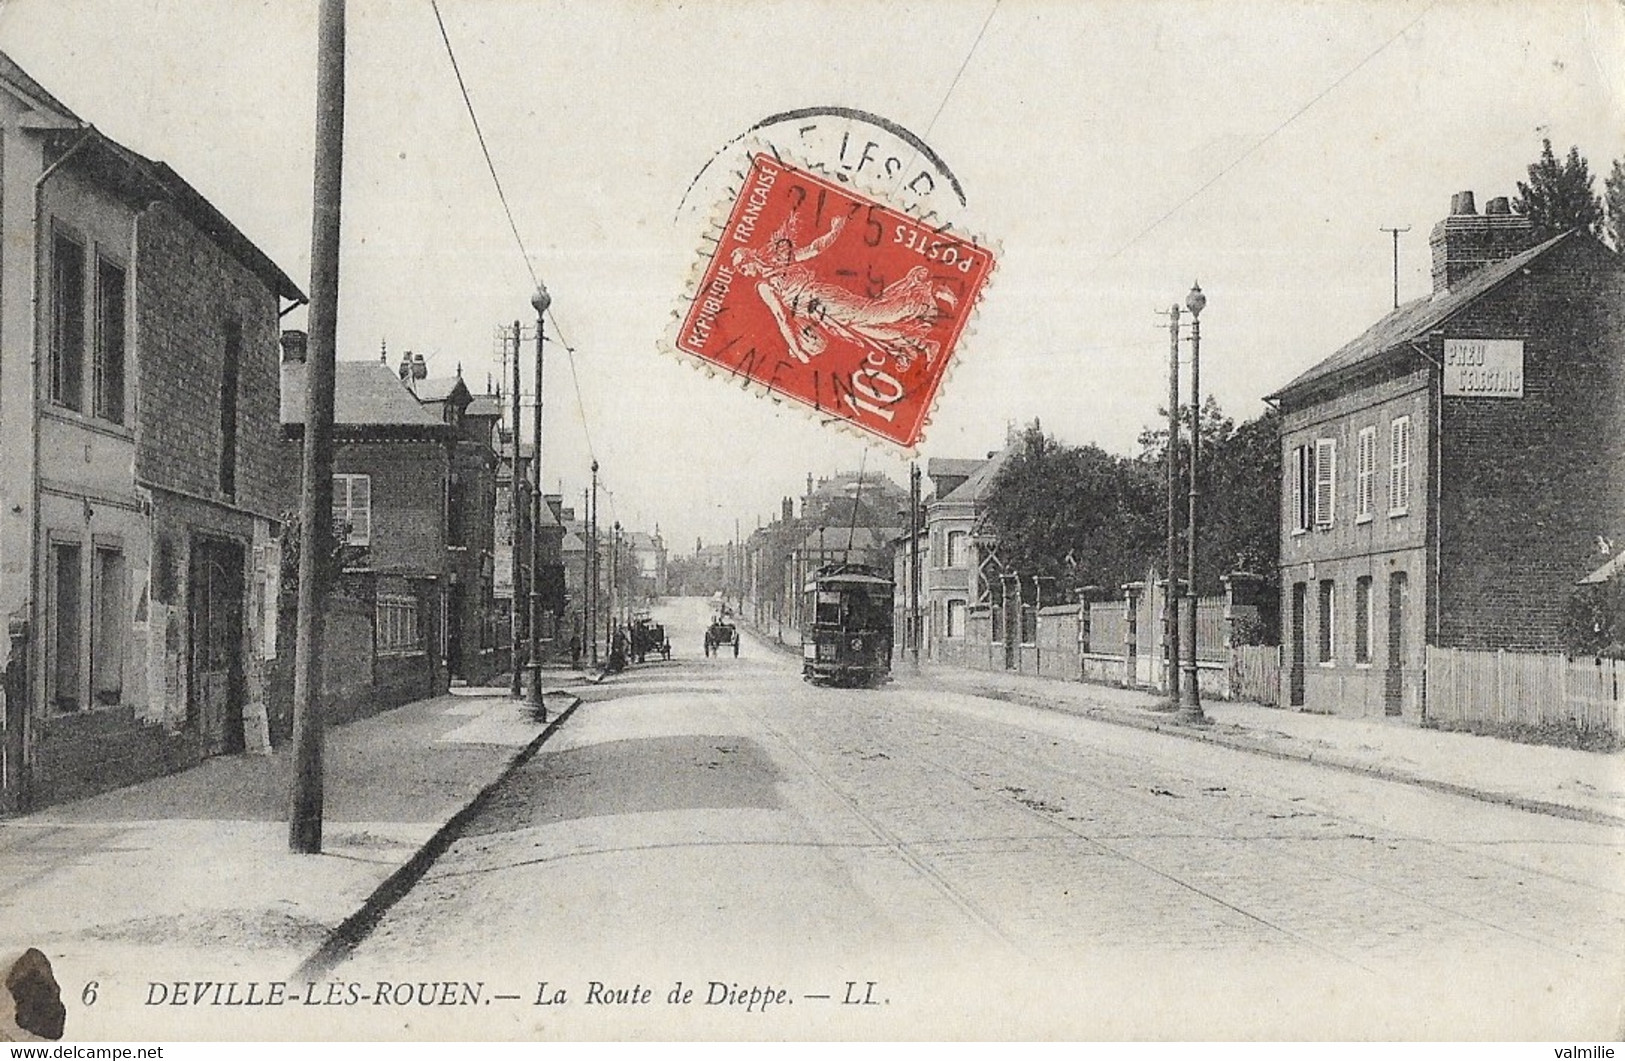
<point>1467,241</point>
<point>293,345</point>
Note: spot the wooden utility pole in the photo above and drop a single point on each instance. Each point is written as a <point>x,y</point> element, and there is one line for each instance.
<point>915,632</point>
<point>516,514</point>
<point>1395,232</point>
<point>593,566</point>
<point>316,490</point>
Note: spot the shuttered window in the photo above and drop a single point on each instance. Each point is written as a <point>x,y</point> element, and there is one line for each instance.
<point>352,509</point>
<point>1366,472</point>
<point>1399,466</point>
<point>1301,488</point>
<point>1325,481</point>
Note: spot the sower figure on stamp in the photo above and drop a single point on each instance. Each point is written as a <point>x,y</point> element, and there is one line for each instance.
<point>808,310</point>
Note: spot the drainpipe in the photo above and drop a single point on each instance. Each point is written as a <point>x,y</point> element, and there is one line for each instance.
<point>35,640</point>
<point>1435,495</point>
<point>1435,478</point>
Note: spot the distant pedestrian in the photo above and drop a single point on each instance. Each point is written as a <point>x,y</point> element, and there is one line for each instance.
<point>575,650</point>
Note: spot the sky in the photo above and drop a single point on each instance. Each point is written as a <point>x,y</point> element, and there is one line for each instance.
<point>1112,153</point>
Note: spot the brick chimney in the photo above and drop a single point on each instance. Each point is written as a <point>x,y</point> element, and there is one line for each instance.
<point>787,509</point>
<point>1466,241</point>
<point>293,346</point>
<point>413,368</point>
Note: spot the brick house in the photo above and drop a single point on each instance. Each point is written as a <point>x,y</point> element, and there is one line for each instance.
<point>1449,471</point>
<point>392,461</point>
<point>471,627</point>
<point>573,558</point>
<point>954,588</point>
<point>138,419</point>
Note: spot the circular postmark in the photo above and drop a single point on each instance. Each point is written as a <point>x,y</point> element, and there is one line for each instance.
<point>832,269</point>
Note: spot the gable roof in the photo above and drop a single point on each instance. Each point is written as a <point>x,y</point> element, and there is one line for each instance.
<point>366,394</point>
<point>484,405</point>
<point>981,480</point>
<point>441,388</point>
<point>128,171</point>
<point>10,71</point>
<point>952,466</point>
<point>1415,319</point>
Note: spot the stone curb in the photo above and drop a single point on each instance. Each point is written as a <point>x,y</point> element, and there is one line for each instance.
<point>342,941</point>
<point>1116,716</point>
<point>1099,713</point>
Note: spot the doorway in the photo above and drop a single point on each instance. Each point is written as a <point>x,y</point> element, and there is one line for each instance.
<point>1393,686</point>
<point>214,708</point>
<point>1296,671</point>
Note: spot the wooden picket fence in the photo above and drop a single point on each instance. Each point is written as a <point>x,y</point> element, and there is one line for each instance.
<point>1510,691</point>
<point>1255,674</point>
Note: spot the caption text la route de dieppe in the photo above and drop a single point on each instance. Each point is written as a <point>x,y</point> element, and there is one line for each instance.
<point>747,997</point>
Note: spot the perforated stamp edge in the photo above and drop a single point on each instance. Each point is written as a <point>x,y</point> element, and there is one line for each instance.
<point>710,242</point>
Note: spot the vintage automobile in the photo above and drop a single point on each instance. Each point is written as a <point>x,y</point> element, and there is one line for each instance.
<point>720,633</point>
<point>647,638</point>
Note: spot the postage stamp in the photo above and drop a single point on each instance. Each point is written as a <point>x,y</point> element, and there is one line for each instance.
<point>830,298</point>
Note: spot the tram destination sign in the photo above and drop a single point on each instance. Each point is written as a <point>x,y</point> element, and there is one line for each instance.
<point>1483,368</point>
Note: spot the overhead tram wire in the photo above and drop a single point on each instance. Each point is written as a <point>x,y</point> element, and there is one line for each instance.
<point>1273,133</point>
<point>490,165</point>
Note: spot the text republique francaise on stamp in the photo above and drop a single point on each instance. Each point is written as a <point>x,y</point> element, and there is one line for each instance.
<point>835,300</point>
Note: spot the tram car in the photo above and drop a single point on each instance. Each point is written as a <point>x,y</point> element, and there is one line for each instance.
<point>848,638</point>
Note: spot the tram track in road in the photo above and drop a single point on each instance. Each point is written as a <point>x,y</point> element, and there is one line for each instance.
<point>1206,828</point>
<point>916,860</point>
<point>920,861</point>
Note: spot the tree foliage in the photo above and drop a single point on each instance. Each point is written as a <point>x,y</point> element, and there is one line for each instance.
<point>1559,195</point>
<point>1088,517</point>
<point>1593,621</point>
<point>1077,514</point>
<point>1239,504</point>
<point>1614,198</point>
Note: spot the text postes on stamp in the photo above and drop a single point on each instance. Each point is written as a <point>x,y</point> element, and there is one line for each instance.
<point>834,300</point>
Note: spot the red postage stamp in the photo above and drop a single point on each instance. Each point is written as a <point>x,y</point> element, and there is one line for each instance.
<point>834,300</point>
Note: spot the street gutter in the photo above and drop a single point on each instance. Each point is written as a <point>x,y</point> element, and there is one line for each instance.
<point>342,941</point>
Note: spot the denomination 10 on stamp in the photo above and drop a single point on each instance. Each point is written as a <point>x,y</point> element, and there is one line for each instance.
<point>834,300</point>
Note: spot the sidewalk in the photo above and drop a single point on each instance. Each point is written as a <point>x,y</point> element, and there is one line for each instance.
<point>190,876</point>
<point>1587,786</point>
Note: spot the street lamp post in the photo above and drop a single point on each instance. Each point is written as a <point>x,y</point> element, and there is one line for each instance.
<point>592,571</point>
<point>1191,704</point>
<point>1170,597</point>
<point>540,301</point>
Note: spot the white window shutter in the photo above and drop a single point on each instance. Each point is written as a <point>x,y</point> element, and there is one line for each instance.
<point>1325,481</point>
<point>1399,475</point>
<point>361,509</point>
<point>1295,475</point>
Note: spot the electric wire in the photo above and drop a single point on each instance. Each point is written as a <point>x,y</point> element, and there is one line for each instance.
<point>490,165</point>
